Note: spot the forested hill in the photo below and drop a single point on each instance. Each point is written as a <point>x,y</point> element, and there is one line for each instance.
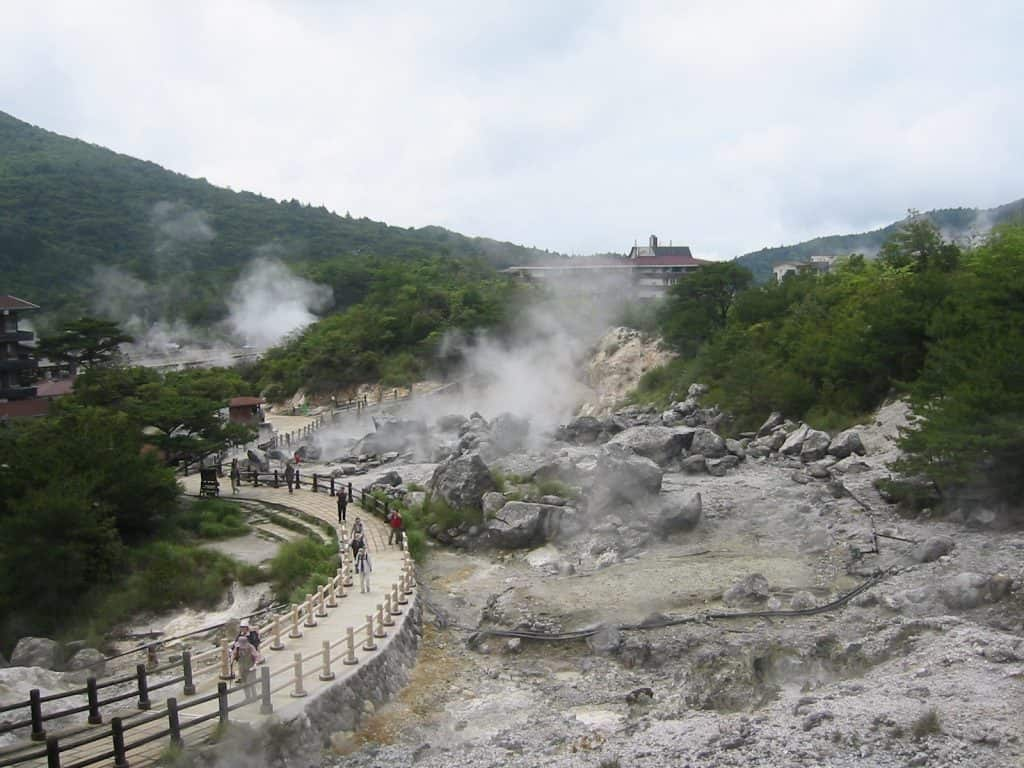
<point>956,224</point>
<point>67,206</point>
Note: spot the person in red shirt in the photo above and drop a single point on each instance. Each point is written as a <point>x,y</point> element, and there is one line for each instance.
<point>396,527</point>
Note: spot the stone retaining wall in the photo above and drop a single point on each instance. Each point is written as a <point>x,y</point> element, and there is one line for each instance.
<point>296,735</point>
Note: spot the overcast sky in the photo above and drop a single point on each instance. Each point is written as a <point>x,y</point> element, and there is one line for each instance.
<point>574,126</point>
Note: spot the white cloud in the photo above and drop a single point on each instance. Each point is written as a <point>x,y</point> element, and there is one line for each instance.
<point>573,126</point>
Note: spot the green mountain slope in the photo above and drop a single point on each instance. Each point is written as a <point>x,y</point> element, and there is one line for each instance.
<point>68,207</point>
<point>959,224</point>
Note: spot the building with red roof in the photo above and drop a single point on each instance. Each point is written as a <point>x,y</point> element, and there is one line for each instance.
<point>646,273</point>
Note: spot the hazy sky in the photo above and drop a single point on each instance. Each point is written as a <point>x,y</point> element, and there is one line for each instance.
<point>575,126</point>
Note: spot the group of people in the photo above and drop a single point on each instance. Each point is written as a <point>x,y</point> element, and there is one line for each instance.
<point>361,554</point>
<point>245,653</point>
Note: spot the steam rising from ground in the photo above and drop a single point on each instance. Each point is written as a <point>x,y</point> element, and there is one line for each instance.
<point>269,302</point>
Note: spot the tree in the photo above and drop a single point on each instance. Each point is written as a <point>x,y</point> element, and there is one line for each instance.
<point>698,305</point>
<point>918,245</point>
<point>88,342</point>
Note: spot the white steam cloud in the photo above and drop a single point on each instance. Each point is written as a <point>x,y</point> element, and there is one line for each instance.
<point>269,302</point>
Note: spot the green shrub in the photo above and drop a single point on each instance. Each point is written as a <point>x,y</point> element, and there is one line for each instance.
<point>927,724</point>
<point>300,566</point>
<point>557,488</point>
<point>212,519</point>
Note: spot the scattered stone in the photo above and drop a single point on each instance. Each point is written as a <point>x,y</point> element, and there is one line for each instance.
<point>735,447</point>
<point>554,501</point>
<point>815,719</point>
<point>794,443</point>
<point>932,549</point>
<point>845,443</point>
<point>719,467</point>
<point>606,641</point>
<point>752,589</point>
<point>640,696</point>
<point>964,591</point>
<point>802,601</point>
<point>491,502</point>
<point>694,465</point>
<point>814,446</point>
<point>773,421</point>
<point>513,645</point>
<point>679,512</point>
<point>89,659</point>
<point>391,478</point>
<point>708,444</point>
<point>800,477</point>
<point>462,482</point>
<point>659,444</point>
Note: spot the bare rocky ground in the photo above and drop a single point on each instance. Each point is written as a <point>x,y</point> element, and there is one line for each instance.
<point>925,668</point>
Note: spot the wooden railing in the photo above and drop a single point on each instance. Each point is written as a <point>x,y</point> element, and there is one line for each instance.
<point>344,649</point>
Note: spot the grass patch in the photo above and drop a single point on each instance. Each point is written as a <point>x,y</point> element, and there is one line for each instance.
<point>212,519</point>
<point>926,725</point>
<point>557,488</point>
<point>300,566</point>
<point>661,385</point>
<point>162,576</point>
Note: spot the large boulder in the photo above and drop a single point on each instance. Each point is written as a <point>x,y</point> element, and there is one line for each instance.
<point>678,512</point>
<point>932,549</point>
<point>37,652</point>
<point>845,443</point>
<point>694,465</point>
<point>773,421</point>
<point>707,444</point>
<point>814,446</point>
<point>392,434</point>
<point>659,444</point>
<point>521,524</point>
<point>794,442</point>
<point>719,467</point>
<point>89,660</point>
<point>622,477</point>
<point>583,430</point>
<point>462,482</point>
<point>964,591</point>
<point>390,478</point>
<point>491,502</point>
<point>451,422</point>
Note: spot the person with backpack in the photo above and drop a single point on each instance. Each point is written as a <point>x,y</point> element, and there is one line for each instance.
<point>244,628</point>
<point>364,567</point>
<point>245,657</point>
<point>289,475</point>
<point>358,537</point>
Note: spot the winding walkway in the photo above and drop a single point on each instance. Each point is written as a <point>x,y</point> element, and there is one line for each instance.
<point>331,625</point>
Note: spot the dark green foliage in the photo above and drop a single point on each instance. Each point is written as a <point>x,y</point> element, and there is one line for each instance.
<point>698,305</point>
<point>67,206</point>
<point>970,392</point>
<point>88,342</point>
<point>962,222</point>
<point>212,519</point>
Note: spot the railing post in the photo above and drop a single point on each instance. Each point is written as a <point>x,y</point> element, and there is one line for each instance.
<point>296,632</point>
<point>256,478</point>
<point>277,480</point>
<point>186,671</point>
<point>225,660</point>
<point>117,736</point>
<point>314,482</point>
<point>52,752</point>
<point>310,621</point>
<point>350,491</point>
<point>93,694</point>
<point>299,691</point>
<point>276,644</point>
<point>36,711</point>
<point>173,722</point>
<point>140,675</point>
<point>383,620</point>
<point>325,672</point>
<point>321,609</point>
<point>350,647</point>
<point>332,485</point>
<point>222,702</point>
<point>369,645</point>
<point>332,601</point>
<point>341,583</point>
<point>396,609</point>
<point>266,705</point>
<point>402,592</point>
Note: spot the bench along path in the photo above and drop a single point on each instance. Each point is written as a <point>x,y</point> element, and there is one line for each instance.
<point>354,628</point>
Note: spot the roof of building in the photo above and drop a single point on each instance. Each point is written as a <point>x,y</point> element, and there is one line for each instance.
<point>17,409</point>
<point>55,388</point>
<point>244,402</point>
<point>668,260</point>
<point>13,302</point>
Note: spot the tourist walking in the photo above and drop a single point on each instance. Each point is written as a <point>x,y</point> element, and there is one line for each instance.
<point>358,534</point>
<point>396,528</point>
<point>342,505</point>
<point>364,567</point>
<point>289,476</point>
<point>236,476</point>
